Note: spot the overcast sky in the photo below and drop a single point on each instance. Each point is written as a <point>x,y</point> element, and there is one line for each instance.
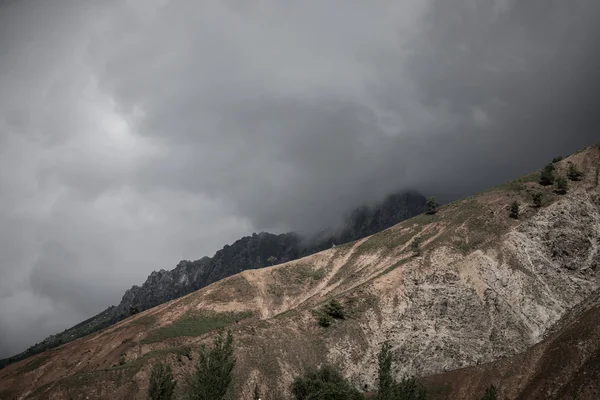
<point>137,133</point>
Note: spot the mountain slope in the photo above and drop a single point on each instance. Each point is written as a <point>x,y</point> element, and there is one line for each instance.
<point>566,365</point>
<point>485,287</point>
<point>246,253</point>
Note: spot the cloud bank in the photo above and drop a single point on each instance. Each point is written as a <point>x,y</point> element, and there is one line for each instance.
<point>137,133</point>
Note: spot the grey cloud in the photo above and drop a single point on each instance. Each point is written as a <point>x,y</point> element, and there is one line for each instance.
<point>135,134</point>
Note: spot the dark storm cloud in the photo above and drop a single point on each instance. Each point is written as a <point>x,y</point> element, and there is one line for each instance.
<point>474,93</point>
<point>135,134</point>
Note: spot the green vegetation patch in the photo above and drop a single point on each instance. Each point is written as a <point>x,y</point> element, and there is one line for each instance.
<point>236,286</point>
<point>299,273</point>
<point>146,320</point>
<point>275,290</point>
<point>33,365</point>
<point>135,365</point>
<point>329,312</point>
<point>195,324</point>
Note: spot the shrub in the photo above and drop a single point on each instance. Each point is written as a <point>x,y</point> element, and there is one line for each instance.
<point>162,384</point>
<point>574,173</point>
<point>514,210</point>
<point>490,393</point>
<point>212,376</point>
<point>324,320</point>
<point>272,260</point>
<point>325,383</point>
<point>386,381</point>
<point>557,159</point>
<point>537,200</point>
<point>561,185</point>
<point>416,245</point>
<point>547,175</point>
<point>389,389</point>
<point>431,206</point>
<point>330,311</point>
<point>334,309</point>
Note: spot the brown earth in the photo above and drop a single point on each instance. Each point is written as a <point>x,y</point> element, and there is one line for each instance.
<point>492,299</point>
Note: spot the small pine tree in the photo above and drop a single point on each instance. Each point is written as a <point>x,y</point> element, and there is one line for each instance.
<point>272,260</point>
<point>324,320</point>
<point>334,309</point>
<point>547,175</point>
<point>386,381</point>
<point>574,173</point>
<point>212,376</point>
<point>389,389</point>
<point>162,384</point>
<point>561,185</point>
<point>490,393</point>
<point>514,210</point>
<point>325,383</point>
<point>537,200</point>
<point>416,245</point>
<point>431,206</point>
<point>409,389</point>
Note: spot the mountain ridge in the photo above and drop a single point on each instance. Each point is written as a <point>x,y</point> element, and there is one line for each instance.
<point>483,287</point>
<point>248,252</point>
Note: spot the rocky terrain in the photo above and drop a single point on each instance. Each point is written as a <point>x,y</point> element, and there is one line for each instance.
<point>249,252</point>
<point>488,299</point>
<point>566,365</point>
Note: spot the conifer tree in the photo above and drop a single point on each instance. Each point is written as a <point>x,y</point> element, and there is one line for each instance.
<point>561,185</point>
<point>212,376</point>
<point>431,206</point>
<point>162,383</point>
<point>490,393</point>
<point>514,210</point>
<point>547,175</point>
<point>574,173</point>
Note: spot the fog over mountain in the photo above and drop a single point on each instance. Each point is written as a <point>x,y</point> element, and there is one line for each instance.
<point>134,134</point>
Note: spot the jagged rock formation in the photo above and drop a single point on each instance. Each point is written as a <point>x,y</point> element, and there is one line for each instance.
<point>249,252</point>
<point>484,288</point>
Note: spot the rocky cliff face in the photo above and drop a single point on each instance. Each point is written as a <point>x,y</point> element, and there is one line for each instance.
<point>484,287</point>
<point>249,252</point>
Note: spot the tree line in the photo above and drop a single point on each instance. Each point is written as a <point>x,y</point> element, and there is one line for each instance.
<point>212,376</point>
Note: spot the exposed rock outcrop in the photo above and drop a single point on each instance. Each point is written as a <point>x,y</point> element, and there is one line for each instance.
<point>484,288</point>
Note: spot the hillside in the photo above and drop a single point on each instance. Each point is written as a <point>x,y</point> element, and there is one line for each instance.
<point>485,289</point>
<point>566,365</point>
<point>249,252</point>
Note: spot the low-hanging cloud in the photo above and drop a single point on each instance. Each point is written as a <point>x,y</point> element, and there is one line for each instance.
<point>135,134</point>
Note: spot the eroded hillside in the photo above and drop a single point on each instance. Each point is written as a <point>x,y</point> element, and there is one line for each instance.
<point>484,287</point>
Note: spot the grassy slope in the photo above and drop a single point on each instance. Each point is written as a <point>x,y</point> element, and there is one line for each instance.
<point>276,302</point>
